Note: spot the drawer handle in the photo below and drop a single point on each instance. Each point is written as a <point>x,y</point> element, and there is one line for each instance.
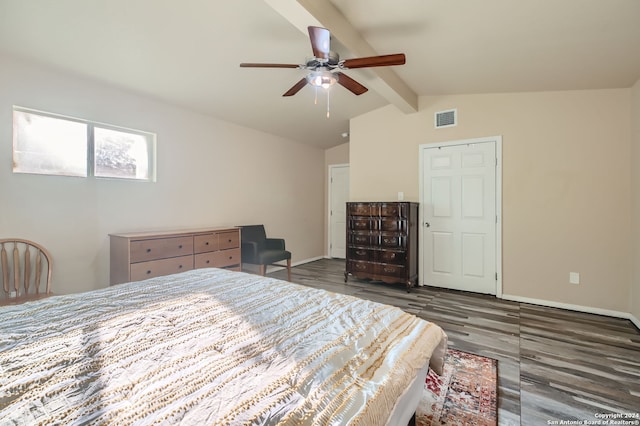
<point>148,250</point>
<point>180,246</point>
<point>207,243</point>
<point>208,261</point>
<point>230,257</point>
<point>229,240</point>
<point>148,272</point>
<point>180,267</point>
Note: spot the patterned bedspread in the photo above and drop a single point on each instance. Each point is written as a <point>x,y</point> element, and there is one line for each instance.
<point>208,347</point>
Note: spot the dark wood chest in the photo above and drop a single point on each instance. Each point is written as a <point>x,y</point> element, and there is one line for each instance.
<point>382,241</point>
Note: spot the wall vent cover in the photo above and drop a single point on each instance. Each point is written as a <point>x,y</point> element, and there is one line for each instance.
<point>446,118</point>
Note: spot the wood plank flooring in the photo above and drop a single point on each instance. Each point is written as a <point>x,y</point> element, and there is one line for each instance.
<point>553,365</point>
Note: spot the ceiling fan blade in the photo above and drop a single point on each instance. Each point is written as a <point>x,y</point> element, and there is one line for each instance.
<point>320,42</point>
<point>375,61</point>
<point>349,83</point>
<point>254,65</point>
<point>296,87</point>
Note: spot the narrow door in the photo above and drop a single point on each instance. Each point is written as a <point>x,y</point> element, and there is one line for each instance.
<point>338,197</point>
<point>459,216</point>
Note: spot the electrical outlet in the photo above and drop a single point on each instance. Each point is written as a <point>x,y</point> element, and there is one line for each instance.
<point>574,278</point>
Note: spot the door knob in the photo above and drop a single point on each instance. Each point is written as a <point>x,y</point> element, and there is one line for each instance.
<point>427,224</point>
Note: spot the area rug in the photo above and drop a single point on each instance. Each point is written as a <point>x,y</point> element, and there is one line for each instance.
<point>465,394</point>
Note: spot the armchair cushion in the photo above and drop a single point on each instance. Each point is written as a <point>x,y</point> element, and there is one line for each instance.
<point>274,244</point>
<point>269,257</point>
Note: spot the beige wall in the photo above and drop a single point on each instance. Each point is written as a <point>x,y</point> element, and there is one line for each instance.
<point>336,155</point>
<point>635,173</point>
<point>210,173</point>
<point>566,183</point>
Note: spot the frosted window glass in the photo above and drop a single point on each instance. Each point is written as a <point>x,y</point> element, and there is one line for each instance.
<point>48,145</point>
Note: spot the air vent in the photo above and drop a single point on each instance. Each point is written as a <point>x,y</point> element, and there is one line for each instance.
<point>446,118</point>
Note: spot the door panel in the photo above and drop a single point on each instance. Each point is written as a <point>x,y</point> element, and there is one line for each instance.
<point>459,213</point>
<point>472,197</point>
<point>442,253</point>
<point>473,255</point>
<point>441,196</point>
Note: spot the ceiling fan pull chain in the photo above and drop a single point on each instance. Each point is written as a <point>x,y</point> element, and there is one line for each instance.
<point>315,100</point>
<point>328,91</point>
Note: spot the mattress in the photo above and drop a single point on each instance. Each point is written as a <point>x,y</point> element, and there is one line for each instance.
<point>211,346</point>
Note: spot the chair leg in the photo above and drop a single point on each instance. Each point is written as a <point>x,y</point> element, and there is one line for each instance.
<point>289,270</point>
<point>263,270</point>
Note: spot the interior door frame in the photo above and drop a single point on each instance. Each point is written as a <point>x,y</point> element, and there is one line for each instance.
<point>329,203</point>
<point>421,149</point>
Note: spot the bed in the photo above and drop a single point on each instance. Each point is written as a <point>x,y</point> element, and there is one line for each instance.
<point>211,346</point>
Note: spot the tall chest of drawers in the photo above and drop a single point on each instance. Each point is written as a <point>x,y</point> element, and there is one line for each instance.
<point>141,255</point>
<point>382,242</point>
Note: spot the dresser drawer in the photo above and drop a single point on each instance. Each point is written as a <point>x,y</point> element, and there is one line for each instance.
<point>361,254</point>
<point>388,270</point>
<point>362,267</point>
<point>362,239</point>
<point>228,240</point>
<point>390,256</point>
<point>362,209</point>
<point>398,225</point>
<point>363,224</point>
<point>218,259</point>
<point>156,268</point>
<point>205,243</point>
<point>392,240</point>
<point>393,210</point>
<point>160,248</point>
<point>225,258</point>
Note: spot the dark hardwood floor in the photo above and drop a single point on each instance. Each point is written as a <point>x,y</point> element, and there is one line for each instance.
<point>553,364</point>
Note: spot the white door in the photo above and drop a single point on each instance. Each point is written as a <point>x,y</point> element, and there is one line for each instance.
<point>459,216</point>
<point>338,197</point>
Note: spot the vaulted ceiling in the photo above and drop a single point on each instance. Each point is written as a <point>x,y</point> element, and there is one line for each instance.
<point>188,53</point>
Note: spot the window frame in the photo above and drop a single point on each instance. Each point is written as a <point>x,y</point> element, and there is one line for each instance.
<point>90,168</point>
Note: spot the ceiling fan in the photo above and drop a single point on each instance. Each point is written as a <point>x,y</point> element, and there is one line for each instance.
<point>325,65</point>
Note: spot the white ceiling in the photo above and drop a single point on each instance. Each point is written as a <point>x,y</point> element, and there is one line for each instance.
<point>187,52</point>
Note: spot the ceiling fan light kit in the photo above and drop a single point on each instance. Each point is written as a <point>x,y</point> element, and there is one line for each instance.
<point>323,78</point>
<point>325,66</point>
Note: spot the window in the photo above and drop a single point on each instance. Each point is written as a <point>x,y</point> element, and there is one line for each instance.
<point>49,144</point>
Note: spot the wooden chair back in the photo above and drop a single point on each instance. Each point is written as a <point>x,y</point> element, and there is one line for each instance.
<point>26,270</point>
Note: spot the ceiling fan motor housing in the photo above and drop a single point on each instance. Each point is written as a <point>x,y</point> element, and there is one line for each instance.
<point>334,59</point>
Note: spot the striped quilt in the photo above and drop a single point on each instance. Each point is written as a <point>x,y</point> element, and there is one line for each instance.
<point>208,346</point>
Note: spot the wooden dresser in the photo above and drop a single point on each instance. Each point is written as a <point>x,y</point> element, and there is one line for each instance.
<point>382,242</point>
<point>141,255</point>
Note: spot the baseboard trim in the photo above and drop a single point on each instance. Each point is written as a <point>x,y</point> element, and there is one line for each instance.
<point>298,263</point>
<point>311,259</point>
<point>571,307</point>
